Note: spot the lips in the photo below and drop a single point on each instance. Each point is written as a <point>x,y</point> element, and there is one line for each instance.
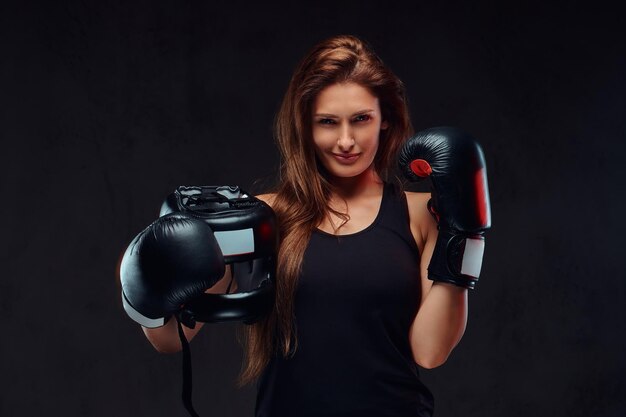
<point>346,158</point>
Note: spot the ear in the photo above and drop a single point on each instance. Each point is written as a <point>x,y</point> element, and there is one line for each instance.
<point>384,125</point>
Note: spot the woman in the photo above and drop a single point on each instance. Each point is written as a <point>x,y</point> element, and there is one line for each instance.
<point>355,312</point>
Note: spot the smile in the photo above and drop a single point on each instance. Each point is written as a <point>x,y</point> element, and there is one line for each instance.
<point>346,159</point>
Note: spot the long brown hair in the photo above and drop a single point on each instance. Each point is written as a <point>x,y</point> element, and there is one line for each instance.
<point>302,196</point>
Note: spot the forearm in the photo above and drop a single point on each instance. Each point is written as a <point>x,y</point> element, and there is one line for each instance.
<point>165,339</point>
<point>439,324</point>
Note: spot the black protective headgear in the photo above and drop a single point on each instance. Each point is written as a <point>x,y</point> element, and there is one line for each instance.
<point>245,229</point>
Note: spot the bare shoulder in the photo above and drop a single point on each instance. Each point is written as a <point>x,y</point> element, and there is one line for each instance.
<point>420,218</point>
<point>267,198</point>
<point>418,205</point>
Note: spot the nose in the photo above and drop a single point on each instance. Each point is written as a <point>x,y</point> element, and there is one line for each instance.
<point>345,142</point>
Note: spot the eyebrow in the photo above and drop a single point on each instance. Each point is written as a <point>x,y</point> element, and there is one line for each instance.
<point>353,114</point>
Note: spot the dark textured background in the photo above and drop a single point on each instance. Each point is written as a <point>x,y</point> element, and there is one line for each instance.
<point>107,106</point>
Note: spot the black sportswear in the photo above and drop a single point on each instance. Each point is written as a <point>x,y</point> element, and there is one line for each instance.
<point>356,299</point>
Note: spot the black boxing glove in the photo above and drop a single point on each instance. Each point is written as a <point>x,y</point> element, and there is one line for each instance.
<point>172,261</point>
<point>455,164</point>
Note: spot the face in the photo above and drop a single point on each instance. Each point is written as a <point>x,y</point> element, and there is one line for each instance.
<point>346,127</point>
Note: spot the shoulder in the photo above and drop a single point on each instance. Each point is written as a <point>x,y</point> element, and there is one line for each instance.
<point>418,207</point>
<point>421,221</point>
<point>267,198</point>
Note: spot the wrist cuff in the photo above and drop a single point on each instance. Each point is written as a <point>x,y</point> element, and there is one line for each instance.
<point>457,258</point>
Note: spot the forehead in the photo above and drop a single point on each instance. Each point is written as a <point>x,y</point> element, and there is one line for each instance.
<point>345,98</point>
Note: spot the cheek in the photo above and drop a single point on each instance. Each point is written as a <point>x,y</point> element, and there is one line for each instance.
<point>322,138</point>
<point>372,138</point>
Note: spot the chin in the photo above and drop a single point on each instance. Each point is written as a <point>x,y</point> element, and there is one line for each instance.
<point>348,172</point>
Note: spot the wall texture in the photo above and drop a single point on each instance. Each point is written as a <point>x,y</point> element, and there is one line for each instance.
<point>107,106</point>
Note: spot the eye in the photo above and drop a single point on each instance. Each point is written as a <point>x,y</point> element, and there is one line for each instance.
<point>362,118</point>
<point>326,121</point>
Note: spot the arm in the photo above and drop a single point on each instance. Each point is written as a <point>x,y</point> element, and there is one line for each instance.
<point>147,269</point>
<point>442,316</point>
<point>453,249</point>
<point>165,339</point>
<point>173,260</point>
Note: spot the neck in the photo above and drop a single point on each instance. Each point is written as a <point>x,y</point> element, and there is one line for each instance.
<point>366,184</point>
